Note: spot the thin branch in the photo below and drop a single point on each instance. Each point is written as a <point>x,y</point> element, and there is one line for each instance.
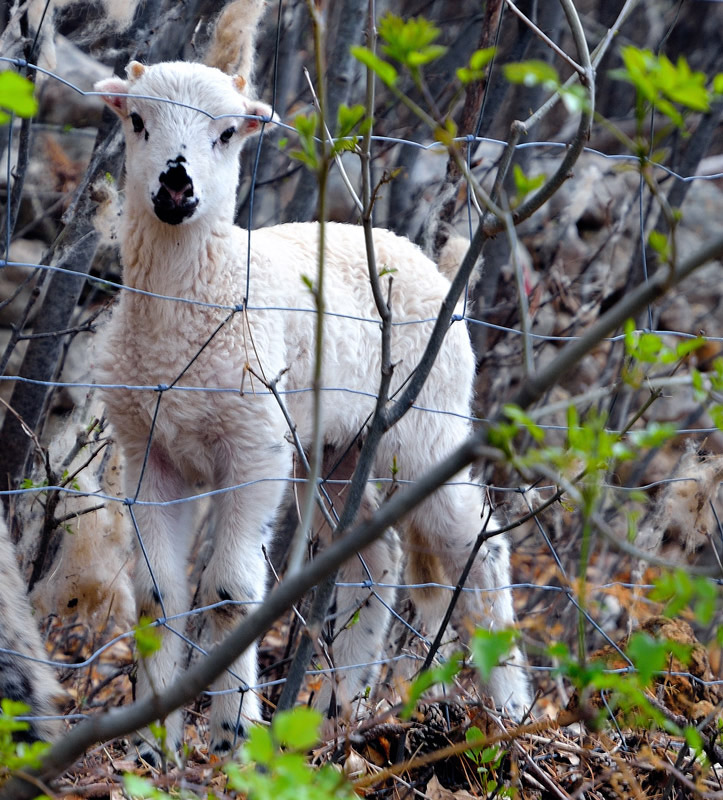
<point>596,57</point>
<point>546,39</point>
<point>302,533</point>
<point>330,138</point>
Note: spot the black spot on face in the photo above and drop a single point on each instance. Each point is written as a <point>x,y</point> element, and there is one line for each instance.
<point>175,200</point>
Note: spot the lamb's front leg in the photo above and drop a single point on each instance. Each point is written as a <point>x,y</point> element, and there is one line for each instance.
<point>161,586</point>
<point>236,578</point>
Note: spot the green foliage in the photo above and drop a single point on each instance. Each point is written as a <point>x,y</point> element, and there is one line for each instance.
<point>306,127</point>
<point>382,69</point>
<point>444,674</point>
<point>487,760</point>
<point>525,185</point>
<point>138,788</point>
<point>665,86</point>
<point>348,117</point>
<point>309,129</point>
<point>274,765</point>
<point>17,755</point>
<point>679,590</point>
<point>649,655</point>
<point>533,73</point>
<point>650,348</point>
<point>489,648</point>
<point>624,690</point>
<point>477,63</point>
<point>29,483</point>
<point>661,244</point>
<point>147,637</point>
<point>16,96</point>
<point>540,73</point>
<point>411,41</point>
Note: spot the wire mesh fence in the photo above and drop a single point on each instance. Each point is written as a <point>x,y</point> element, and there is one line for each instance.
<point>546,548</point>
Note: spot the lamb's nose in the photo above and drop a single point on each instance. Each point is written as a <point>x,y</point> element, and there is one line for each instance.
<point>175,201</point>
<point>177,183</point>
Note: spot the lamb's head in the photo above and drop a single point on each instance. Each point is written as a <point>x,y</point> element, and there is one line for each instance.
<point>182,150</point>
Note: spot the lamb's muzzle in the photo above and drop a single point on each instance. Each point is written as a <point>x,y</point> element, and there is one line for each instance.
<point>175,200</point>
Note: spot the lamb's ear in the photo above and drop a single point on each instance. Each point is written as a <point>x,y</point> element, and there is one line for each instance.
<point>116,89</point>
<point>258,109</point>
<point>135,69</point>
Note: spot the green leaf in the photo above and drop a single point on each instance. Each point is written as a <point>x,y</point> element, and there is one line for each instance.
<point>516,414</point>
<point>698,388</point>
<point>137,787</point>
<point>489,648</point>
<point>654,434</point>
<point>420,57</point>
<point>382,69</point>
<point>647,654</point>
<point>574,97</point>
<point>348,117</point>
<point>259,747</point>
<point>16,95</point>
<point>682,349</point>
<point>663,84</point>
<point>444,674</point>
<point>718,83</point>
<point>410,42</point>
<point>478,61</point>
<point>523,184</point>
<point>481,58</point>
<point>473,734</point>
<point>532,73</point>
<point>298,728</point>
<point>694,739</point>
<point>659,242</point>
<point>147,637</point>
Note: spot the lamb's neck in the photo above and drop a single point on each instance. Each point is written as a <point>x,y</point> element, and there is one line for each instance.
<point>176,260</point>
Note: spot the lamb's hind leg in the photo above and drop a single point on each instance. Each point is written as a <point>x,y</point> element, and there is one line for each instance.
<point>360,619</point>
<point>235,578</point>
<point>160,583</point>
<point>359,616</point>
<point>445,526</point>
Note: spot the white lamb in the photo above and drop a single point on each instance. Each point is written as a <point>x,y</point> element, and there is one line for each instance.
<point>178,240</point>
<point>24,675</point>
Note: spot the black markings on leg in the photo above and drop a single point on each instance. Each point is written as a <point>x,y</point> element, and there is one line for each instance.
<point>234,729</point>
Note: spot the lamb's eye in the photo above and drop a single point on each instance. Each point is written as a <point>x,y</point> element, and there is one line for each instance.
<point>225,137</point>
<point>137,122</point>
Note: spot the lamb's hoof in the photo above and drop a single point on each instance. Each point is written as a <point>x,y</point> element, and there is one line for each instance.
<point>226,737</point>
<point>518,709</point>
<point>147,754</point>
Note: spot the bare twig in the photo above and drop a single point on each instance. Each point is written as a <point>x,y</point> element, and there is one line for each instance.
<point>546,39</point>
